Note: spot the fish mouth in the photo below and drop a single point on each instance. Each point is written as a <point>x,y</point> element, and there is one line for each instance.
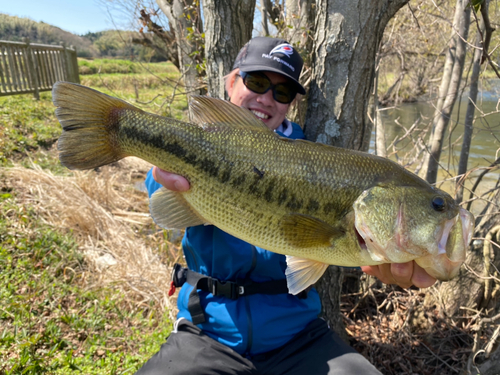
<point>361,240</point>
<point>442,258</point>
<point>443,240</point>
<point>452,247</point>
<point>367,241</point>
<point>467,225</point>
<point>460,230</point>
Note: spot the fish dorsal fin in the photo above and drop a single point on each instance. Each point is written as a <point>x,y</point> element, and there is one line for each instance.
<point>212,113</point>
<point>304,231</point>
<point>170,210</point>
<point>301,273</point>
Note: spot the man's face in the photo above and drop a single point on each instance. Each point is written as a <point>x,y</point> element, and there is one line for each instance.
<point>263,106</point>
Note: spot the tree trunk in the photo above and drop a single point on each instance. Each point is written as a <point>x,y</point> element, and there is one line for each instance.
<point>330,289</point>
<point>299,20</point>
<point>228,27</point>
<point>346,41</point>
<point>263,13</point>
<point>448,91</point>
<point>380,146</point>
<point>298,29</point>
<point>345,47</point>
<point>471,109</point>
<point>184,17</point>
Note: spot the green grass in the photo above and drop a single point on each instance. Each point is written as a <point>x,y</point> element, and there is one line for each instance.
<point>51,321</point>
<point>26,125</point>
<point>116,66</point>
<point>153,87</point>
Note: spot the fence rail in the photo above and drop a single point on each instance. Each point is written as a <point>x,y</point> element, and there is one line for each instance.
<point>32,68</point>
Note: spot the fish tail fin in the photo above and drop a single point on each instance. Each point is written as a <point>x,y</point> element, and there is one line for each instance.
<point>90,124</point>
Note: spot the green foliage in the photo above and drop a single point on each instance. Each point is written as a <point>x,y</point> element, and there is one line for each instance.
<point>107,66</point>
<point>26,125</point>
<point>154,88</point>
<point>116,43</point>
<point>107,43</point>
<point>29,126</point>
<point>476,4</point>
<point>50,323</point>
<point>16,29</point>
<point>113,66</point>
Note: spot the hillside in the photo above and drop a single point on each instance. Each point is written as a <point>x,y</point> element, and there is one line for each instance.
<point>15,29</point>
<point>106,43</point>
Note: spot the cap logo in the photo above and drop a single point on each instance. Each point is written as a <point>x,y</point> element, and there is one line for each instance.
<point>284,48</point>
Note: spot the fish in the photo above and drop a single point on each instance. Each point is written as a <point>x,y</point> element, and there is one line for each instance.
<point>317,204</point>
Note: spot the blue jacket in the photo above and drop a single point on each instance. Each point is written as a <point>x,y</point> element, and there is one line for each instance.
<point>250,324</point>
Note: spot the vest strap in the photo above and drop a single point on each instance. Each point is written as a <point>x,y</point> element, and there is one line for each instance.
<point>228,289</point>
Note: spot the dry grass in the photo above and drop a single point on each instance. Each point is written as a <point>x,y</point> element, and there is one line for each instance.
<point>110,220</point>
<point>402,331</point>
<point>396,329</point>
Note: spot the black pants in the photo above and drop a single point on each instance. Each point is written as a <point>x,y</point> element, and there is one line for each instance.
<point>315,351</point>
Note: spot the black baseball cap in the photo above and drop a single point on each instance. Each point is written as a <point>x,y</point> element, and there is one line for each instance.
<point>271,55</point>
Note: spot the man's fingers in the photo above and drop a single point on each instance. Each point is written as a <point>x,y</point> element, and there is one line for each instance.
<point>403,274</point>
<point>421,278</point>
<point>171,181</point>
<point>381,272</point>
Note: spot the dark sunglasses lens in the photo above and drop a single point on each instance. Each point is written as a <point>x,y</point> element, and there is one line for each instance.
<point>260,84</point>
<point>283,94</point>
<point>257,83</point>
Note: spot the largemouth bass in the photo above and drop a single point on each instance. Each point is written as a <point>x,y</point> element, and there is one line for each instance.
<point>316,204</point>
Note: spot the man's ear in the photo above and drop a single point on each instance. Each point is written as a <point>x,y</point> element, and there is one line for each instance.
<point>230,84</point>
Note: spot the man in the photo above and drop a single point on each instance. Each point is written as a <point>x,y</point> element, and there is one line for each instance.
<point>235,315</point>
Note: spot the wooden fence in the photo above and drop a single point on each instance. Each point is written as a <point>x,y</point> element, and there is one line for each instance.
<point>31,68</point>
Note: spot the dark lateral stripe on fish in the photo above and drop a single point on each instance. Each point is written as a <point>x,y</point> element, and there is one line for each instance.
<point>225,175</point>
<point>282,197</point>
<point>239,180</point>
<point>294,204</point>
<point>268,194</point>
<point>312,206</point>
<point>157,140</point>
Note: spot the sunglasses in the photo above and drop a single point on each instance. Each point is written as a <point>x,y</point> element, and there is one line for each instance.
<point>260,84</point>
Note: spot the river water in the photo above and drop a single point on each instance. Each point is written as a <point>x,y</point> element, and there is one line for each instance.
<point>485,147</point>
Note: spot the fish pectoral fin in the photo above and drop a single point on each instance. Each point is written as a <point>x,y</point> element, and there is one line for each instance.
<point>170,210</point>
<point>304,231</point>
<point>212,114</point>
<point>301,273</point>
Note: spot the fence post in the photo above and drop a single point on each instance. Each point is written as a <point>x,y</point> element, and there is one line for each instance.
<point>66,67</point>
<point>74,64</point>
<point>33,74</point>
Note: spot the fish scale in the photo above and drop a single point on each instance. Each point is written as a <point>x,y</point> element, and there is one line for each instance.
<point>317,204</point>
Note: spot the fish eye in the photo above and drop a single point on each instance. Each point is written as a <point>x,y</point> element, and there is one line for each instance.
<point>438,204</point>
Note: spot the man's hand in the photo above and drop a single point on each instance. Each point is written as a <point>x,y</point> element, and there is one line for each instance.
<point>403,274</point>
<point>171,181</point>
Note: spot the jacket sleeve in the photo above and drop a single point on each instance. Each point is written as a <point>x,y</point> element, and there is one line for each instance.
<point>295,133</point>
<point>151,184</point>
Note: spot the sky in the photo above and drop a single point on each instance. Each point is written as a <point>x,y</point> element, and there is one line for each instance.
<point>75,16</point>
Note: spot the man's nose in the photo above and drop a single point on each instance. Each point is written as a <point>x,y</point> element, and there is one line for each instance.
<point>266,98</point>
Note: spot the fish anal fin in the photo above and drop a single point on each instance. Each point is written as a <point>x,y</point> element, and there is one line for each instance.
<point>170,210</point>
<point>301,273</point>
<point>304,231</point>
